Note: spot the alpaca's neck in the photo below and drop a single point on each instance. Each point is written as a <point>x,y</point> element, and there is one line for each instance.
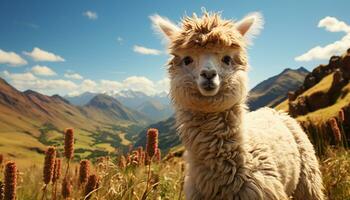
<point>213,136</point>
<point>216,154</point>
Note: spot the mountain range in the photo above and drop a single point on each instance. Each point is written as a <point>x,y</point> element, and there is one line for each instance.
<point>102,121</point>
<point>155,107</point>
<point>30,121</point>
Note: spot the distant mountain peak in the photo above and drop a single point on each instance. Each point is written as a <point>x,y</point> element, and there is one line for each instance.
<point>29,91</point>
<point>58,97</point>
<point>274,90</point>
<point>300,69</point>
<point>103,101</point>
<point>303,69</point>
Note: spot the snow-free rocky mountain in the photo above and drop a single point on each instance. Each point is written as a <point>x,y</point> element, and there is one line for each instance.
<point>274,90</point>
<point>29,111</point>
<point>156,107</point>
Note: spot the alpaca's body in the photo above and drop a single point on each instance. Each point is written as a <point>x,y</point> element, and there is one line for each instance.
<point>267,148</point>
<point>261,155</point>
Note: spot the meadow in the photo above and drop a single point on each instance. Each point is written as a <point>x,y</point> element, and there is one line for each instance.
<point>142,173</point>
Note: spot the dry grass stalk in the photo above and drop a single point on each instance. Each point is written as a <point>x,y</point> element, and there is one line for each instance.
<point>67,188</point>
<point>335,129</point>
<point>1,159</point>
<point>84,171</point>
<point>69,143</point>
<point>49,165</point>
<point>151,148</point>
<point>49,168</point>
<point>10,181</point>
<point>152,142</point>
<point>341,115</point>
<point>91,185</point>
<point>158,155</point>
<point>57,171</point>
<point>56,176</point>
<point>2,190</point>
<point>122,162</point>
<point>68,147</point>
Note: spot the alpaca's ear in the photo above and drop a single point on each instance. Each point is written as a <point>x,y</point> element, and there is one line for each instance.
<point>250,25</point>
<point>164,26</point>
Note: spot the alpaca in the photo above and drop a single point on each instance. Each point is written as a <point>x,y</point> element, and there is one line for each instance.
<point>230,153</point>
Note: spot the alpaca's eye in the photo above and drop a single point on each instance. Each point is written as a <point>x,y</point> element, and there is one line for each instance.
<point>187,60</point>
<point>226,60</point>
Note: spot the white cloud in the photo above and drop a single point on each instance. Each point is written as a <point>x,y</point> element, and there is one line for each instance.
<point>11,58</point>
<point>27,80</point>
<point>135,83</point>
<point>107,85</point>
<point>71,75</point>
<point>163,85</point>
<point>331,24</point>
<point>27,76</point>
<point>140,83</point>
<point>90,14</point>
<point>88,85</point>
<point>38,54</point>
<point>43,71</point>
<point>146,51</point>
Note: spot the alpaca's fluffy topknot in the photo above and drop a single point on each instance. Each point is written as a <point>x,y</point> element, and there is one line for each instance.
<point>208,31</point>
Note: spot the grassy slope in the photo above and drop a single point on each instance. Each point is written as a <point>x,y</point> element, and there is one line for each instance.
<point>26,141</point>
<point>324,113</point>
<point>21,147</point>
<point>30,121</point>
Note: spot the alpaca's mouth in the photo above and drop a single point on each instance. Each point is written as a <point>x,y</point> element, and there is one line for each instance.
<point>208,88</point>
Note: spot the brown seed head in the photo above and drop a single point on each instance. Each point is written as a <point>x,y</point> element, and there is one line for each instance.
<point>2,190</point>
<point>341,115</point>
<point>122,162</point>
<point>10,180</point>
<point>147,159</point>
<point>158,155</point>
<point>84,171</point>
<point>91,185</point>
<point>57,170</point>
<point>49,163</point>
<point>69,143</point>
<point>1,160</point>
<point>152,142</point>
<point>142,158</point>
<point>335,129</point>
<point>66,188</point>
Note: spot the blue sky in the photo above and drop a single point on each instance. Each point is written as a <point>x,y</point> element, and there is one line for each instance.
<point>90,45</point>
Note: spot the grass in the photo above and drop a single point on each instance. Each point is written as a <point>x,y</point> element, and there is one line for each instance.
<point>21,147</point>
<point>129,183</point>
<point>330,111</point>
<point>115,182</point>
<point>336,178</point>
<point>326,113</point>
<point>29,147</point>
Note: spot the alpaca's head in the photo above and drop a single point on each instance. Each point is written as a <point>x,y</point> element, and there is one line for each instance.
<point>209,64</point>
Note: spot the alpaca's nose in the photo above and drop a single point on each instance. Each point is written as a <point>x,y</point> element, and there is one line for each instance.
<point>208,73</point>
